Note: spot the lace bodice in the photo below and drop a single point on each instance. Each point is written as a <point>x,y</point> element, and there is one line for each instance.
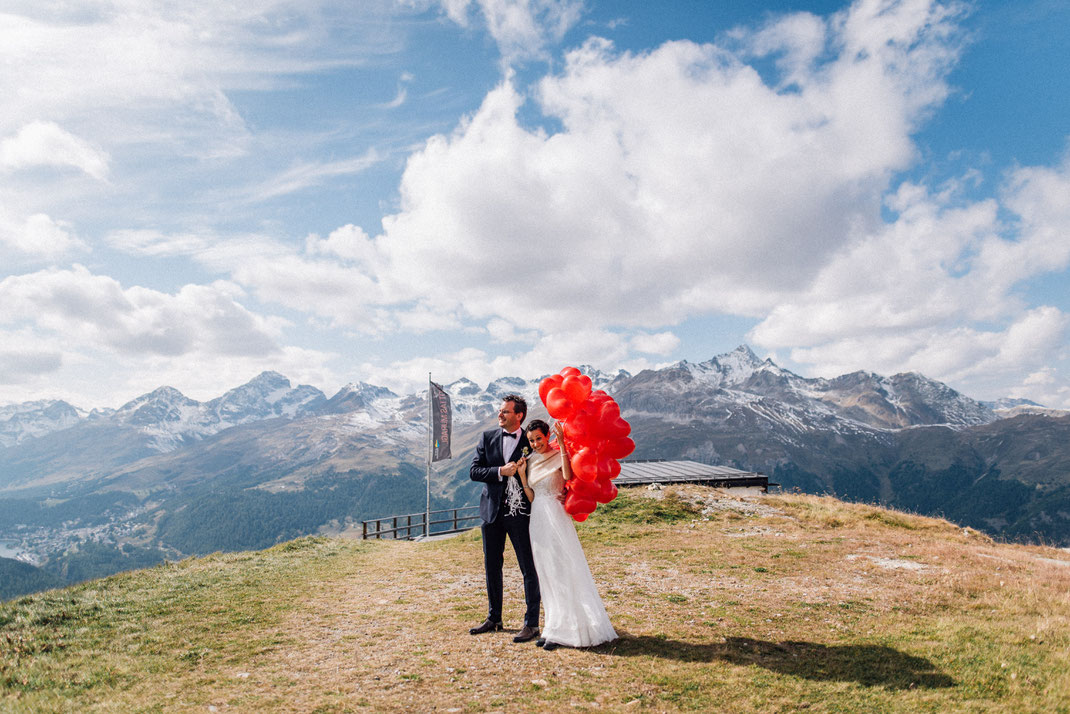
<point>544,474</point>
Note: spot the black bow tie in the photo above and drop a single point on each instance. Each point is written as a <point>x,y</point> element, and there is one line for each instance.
<point>509,434</point>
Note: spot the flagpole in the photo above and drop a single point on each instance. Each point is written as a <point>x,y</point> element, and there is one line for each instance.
<point>430,455</point>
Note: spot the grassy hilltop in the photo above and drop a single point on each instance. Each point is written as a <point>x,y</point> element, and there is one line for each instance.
<point>777,604</point>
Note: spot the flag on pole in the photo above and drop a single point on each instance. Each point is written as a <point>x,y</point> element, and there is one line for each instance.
<point>441,423</point>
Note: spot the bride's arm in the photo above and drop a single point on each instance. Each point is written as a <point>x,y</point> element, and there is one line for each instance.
<point>566,460</point>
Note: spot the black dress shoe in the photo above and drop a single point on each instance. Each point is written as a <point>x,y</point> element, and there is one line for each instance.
<point>540,642</point>
<point>548,646</point>
<point>526,634</point>
<point>487,626</point>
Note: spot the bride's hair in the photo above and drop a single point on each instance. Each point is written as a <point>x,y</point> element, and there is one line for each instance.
<point>540,425</point>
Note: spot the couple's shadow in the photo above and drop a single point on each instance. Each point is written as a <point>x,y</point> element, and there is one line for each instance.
<point>870,665</point>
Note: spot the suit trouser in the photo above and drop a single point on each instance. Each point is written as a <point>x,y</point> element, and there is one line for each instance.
<point>494,534</point>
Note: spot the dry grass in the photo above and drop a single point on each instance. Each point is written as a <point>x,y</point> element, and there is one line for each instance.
<point>784,603</point>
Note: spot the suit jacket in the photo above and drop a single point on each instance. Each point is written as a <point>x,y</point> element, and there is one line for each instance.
<point>484,469</point>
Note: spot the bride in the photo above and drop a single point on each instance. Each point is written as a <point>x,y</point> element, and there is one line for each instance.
<point>575,615</point>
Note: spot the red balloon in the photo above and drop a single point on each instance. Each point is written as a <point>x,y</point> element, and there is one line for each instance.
<point>575,504</point>
<point>577,387</point>
<point>620,448</point>
<point>585,464</point>
<point>607,491</point>
<point>584,489</point>
<point>574,433</point>
<point>547,384</point>
<point>569,372</point>
<point>617,428</point>
<point>607,467</point>
<point>609,411</point>
<point>558,404</point>
<point>581,517</point>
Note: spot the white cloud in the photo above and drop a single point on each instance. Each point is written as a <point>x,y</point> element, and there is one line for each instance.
<point>16,363</point>
<point>154,243</point>
<point>661,343</point>
<point>46,144</point>
<point>96,311</point>
<point>504,331</point>
<point>60,327</point>
<point>681,183</point>
<point>312,283</point>
<point>521,28</point>
<point>304,175</point>
<point>601,349</point>
<point>935,290</point>
<point>350,243</point>
<point>37,235</point>
<point>150,60</point>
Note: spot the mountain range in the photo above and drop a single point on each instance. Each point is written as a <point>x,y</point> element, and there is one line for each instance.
<point>268,460</point>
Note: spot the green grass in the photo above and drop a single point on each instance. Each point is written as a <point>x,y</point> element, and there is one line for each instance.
<point>710,620</point>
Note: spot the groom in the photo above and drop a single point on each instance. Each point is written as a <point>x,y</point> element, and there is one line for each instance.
<point>505,511</point>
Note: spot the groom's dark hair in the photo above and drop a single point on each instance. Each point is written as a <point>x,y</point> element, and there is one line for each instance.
<point>519,405</point>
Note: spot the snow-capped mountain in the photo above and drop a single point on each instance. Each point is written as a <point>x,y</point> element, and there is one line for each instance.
<point>354,396</point>
<point>267,396</point>
<point>170,418</point>
<point>736,385</point>
<point>905,440</point>
<point>739,381</point>
<point>166,417</point>
<point>30,420</point>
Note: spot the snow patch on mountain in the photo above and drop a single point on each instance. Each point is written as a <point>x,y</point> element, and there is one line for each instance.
<point>30,420</point>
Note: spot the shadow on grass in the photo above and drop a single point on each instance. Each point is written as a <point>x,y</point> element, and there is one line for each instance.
<point>870,665</point>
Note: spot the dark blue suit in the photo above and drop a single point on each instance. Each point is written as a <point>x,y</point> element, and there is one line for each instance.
<point>497,525</point>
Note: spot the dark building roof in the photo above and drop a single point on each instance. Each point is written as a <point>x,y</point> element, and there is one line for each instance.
<point>657,471</point>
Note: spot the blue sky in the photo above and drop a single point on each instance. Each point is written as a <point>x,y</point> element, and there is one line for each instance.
<point>371,191</point>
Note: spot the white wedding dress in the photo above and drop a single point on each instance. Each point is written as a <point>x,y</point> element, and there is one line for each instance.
<point>575,615</point>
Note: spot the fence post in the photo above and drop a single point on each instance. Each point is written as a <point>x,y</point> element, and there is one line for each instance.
<point>454,519</point>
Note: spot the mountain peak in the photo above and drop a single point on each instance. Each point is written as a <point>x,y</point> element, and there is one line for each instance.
<point>463,387</point>
<point>355,395</point>
<point>269,378</point>
<point>159,395</point>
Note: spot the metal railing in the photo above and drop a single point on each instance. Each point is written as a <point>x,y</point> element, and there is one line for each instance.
<point>413,525</point>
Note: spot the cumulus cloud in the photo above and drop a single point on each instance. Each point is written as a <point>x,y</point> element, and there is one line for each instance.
<point>60,326</point>
<point>37,235</point>
<point>95,310</point>
<point>935,289</point>
<point>46,144</point>
<point>681,183</point>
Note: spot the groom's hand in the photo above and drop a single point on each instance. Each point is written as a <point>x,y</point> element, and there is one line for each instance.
<point>509,469</point>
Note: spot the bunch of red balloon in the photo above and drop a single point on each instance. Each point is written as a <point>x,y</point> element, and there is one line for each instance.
<point>595,434</point>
